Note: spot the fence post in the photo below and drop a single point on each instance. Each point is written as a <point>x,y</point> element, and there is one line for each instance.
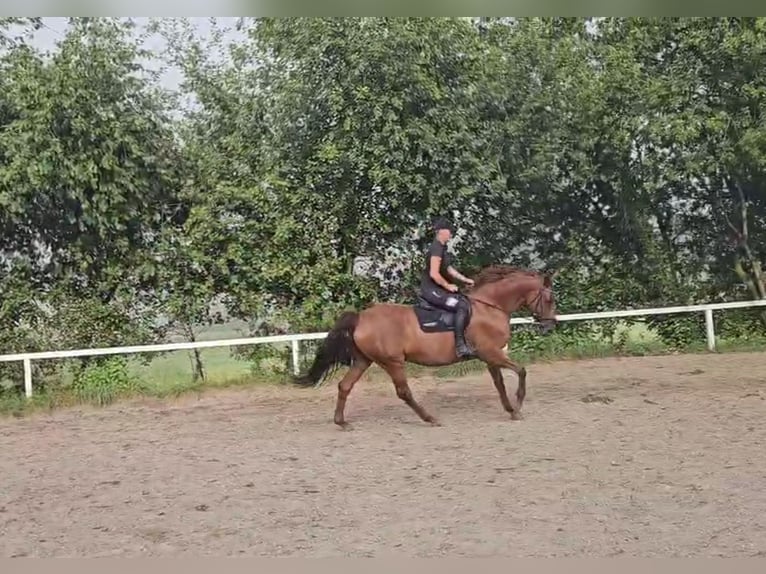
<point>296,357</point>
<point>710,329</point>
<point>28,377</point>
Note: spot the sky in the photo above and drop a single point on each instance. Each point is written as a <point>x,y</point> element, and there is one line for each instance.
<point>54,29</point>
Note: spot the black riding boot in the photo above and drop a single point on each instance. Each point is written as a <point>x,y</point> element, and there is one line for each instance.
<point>461,347</point>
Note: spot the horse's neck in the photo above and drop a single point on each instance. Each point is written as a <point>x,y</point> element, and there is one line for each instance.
<point>507,295</point>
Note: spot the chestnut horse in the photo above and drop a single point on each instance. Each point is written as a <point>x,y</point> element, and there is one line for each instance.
<point>392,334</point>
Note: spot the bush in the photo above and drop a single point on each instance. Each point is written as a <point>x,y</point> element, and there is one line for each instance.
<point>679,332</point>
<point>740,324</point>
<point>101,382</point>
<point>272,361</point>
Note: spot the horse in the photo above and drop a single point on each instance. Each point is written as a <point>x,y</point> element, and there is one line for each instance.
<point>392,334</point>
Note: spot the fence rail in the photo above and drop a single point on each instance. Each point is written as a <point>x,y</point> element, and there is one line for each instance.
<point>294,340</point>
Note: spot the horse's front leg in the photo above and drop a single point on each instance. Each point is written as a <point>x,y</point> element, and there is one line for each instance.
<point>496,361</point>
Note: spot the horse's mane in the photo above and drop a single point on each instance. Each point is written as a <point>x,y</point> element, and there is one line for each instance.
<point>495,273</point>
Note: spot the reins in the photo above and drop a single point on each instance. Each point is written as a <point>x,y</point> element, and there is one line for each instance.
<point>536,302</point>
<point>488,304</point>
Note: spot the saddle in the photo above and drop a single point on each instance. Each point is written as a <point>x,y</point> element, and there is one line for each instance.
<point>432,319</point>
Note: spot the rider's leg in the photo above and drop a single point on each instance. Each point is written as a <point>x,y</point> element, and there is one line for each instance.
<point>462,348</point>
<point>458,305</point>
<point>440,298</point>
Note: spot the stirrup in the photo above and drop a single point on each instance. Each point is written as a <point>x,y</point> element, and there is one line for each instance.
<point>467,351</point>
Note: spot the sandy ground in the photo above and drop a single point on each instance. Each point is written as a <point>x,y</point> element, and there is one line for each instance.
<point>639,456</point>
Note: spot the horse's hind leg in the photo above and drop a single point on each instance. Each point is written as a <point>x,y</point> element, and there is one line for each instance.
<point>361,364</point>
<point>399,377</point>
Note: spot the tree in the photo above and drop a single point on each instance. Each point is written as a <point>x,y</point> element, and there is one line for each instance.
<point>707,92</point>
<point>88,179</point>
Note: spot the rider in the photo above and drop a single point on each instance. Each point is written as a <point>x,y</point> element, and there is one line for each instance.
<point>436,287</point>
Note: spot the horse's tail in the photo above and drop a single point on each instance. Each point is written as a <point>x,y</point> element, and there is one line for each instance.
<point>337,349</point>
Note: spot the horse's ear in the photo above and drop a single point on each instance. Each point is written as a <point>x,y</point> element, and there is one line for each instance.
<point>548,278</point>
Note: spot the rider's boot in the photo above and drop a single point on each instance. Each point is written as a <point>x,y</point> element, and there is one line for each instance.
<point>462,348</point>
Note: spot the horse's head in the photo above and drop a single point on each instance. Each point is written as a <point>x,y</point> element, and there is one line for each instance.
<point>512,288</point>
<point>542,302</point>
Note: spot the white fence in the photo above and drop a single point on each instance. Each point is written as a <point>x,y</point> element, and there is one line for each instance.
<point>27,358</point>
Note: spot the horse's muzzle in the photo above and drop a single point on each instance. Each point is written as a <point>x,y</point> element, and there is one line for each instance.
<point>547,325</point>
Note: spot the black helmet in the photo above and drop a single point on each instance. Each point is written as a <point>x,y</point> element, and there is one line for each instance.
<point>443,223</point>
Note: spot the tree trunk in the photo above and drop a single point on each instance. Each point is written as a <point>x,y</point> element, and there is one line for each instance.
<point>198,372</point>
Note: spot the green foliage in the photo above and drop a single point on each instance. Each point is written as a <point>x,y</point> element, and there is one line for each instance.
<point>18,313</point>
<point>679,332</point>
<point>88,168</point>
<point>103,381</point>
<point>740,324</point>
<point>551,141</point>
<point>266,361</point>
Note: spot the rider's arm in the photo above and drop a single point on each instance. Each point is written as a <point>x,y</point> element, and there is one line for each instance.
<point>436,261</point>
<point>457,275</point>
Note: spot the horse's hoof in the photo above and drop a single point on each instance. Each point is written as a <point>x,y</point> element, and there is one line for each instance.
<point>517,416</point>
<point>344,426</point>
<point>435,423</point>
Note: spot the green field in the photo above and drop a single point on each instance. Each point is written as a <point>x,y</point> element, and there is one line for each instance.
<point>172,370</point>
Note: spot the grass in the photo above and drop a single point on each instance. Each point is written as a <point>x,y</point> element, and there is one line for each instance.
<point>170,375</point>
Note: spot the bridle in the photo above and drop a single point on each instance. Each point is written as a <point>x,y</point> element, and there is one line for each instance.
<point>536,303</point>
